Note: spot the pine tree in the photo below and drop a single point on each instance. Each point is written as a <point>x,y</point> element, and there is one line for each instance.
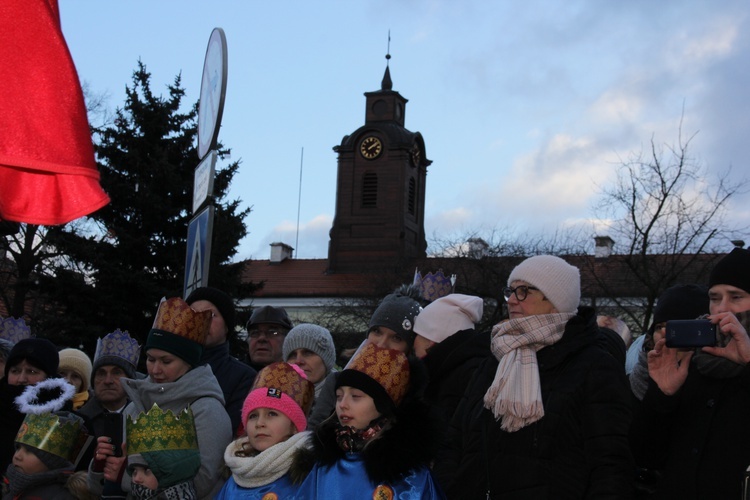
<point>123,258</point>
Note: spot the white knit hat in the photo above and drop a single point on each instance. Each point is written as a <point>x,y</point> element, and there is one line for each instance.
<point>558,281</point>
<point>448,315</point>
<point>313,337</point>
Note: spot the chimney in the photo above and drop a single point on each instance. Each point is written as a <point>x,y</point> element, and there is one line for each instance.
<point>738,243</point>
<point>604,245</point>
<point>477,248</point>
<point>280,252</point>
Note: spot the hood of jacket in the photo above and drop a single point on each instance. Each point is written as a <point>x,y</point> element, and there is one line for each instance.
<point>196,384</point>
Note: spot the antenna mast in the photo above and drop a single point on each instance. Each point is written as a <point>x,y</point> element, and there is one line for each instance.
<point>299,200</point>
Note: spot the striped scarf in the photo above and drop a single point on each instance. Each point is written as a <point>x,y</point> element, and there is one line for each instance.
<point>515,394</point>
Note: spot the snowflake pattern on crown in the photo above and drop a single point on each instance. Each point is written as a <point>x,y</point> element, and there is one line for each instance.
<point>119,344</point>
<point>14,329</point>
<point>45,432</point>
<point>158,430</point>
<point>283,377</point>
<point>434,286</point>
<point>177,317</point>
<point>387,367</point>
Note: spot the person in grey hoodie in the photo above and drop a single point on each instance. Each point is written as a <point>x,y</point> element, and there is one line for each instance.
<point>175,382</point>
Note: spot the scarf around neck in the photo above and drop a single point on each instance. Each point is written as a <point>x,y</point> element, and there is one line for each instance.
<point>350,439</point>
<point>268,465</point>
<point>19,482</point>
<point>515,394</point>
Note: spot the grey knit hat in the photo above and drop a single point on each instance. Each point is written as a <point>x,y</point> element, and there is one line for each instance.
<point>313,337</point>
<point>398,313</point>
<point>558,281</point>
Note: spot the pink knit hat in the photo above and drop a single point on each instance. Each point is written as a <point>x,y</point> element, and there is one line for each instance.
<point>283,387</point>
<point>448,315</point>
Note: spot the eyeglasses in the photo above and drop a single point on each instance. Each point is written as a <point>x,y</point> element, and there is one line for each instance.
<point>521,291</point>
<point>254,334</point>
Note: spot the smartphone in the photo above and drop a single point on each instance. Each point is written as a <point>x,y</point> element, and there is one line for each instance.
<point>690,333</point>
<point>112,426</point>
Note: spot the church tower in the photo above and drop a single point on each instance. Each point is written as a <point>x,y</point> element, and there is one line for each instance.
<point>380,189</point>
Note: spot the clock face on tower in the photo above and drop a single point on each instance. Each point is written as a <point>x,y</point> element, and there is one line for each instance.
<point>415,156</point>
<point>371,147</point>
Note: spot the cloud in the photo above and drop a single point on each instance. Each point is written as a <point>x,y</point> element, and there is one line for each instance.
<point>311,242</point>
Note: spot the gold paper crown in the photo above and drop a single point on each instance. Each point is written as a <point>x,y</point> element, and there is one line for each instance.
<point>159,430</point>
<point>14,329</point>
<point>119,344</point>
<point>387,367</point>
<point>284,377</point>
<point>47,433</point>
<point>434,286</point>
<point>177,317</point>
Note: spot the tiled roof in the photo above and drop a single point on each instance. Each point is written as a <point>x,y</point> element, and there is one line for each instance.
<point>600,277</point>
<point>304,278</point>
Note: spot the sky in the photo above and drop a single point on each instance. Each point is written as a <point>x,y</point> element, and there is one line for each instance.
<point>526,108</point>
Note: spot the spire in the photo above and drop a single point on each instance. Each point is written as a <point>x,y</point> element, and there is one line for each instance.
<point>387,83</point>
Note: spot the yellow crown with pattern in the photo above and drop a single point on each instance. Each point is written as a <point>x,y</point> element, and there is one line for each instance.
<point>158,430</point>
<point>63,438</point>
<point>177,317</point>
<point>387,367</point>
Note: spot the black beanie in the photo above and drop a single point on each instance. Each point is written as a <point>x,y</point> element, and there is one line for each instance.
<point>39,352</point>
<point>398,313</point>
<point>733,269</point>
<point>221,300</point>
<point>680,302</point>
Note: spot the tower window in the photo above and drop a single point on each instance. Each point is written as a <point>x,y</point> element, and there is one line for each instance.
<point>370,190</point>
<point>412,195</point>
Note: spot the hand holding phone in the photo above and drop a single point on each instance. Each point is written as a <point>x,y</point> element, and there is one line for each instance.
<point>690,333</point>
<point>111,426</point>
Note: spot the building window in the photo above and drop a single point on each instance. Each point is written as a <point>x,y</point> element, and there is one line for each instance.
<point>412,195</point>
<point>370,190</point>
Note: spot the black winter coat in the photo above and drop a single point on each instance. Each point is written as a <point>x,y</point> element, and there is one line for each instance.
<point>579,449</point>
<point>700,437</point>
<point>450,366</point>
<point>10,421</point>
<point>235,378</point>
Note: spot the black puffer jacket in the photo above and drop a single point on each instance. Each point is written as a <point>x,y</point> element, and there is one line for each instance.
<point>450,365</point>
<point>235,378</point>
<point>699,437</point>
<point>579,449</point>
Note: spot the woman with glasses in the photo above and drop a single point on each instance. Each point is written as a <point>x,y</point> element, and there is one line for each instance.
<point>548,415</point>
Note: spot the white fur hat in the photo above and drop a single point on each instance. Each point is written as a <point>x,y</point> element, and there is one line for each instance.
<point>558,281</point>
<point>448,315</point>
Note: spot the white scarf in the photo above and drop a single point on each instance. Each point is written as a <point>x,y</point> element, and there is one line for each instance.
<point>515,394</point>
<point>268,465</point>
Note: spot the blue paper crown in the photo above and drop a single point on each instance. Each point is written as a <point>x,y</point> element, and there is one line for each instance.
<point>433,286</point>
<point>119,344</point>
<point>14,329</point>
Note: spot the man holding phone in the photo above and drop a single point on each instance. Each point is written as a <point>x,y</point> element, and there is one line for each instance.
<point>699,405</point>
<point>116,357</point>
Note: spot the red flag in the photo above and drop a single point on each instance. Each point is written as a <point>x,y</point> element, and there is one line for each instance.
<point>48,174</point>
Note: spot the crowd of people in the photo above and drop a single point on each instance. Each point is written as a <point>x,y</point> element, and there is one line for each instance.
<point>547,404</point>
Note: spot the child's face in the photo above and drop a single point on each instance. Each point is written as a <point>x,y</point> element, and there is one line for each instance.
<point>28,463</point>
<point>354,408</point>
<point>266,427</point>
<point>143,476</point>
<point>72,377</point>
